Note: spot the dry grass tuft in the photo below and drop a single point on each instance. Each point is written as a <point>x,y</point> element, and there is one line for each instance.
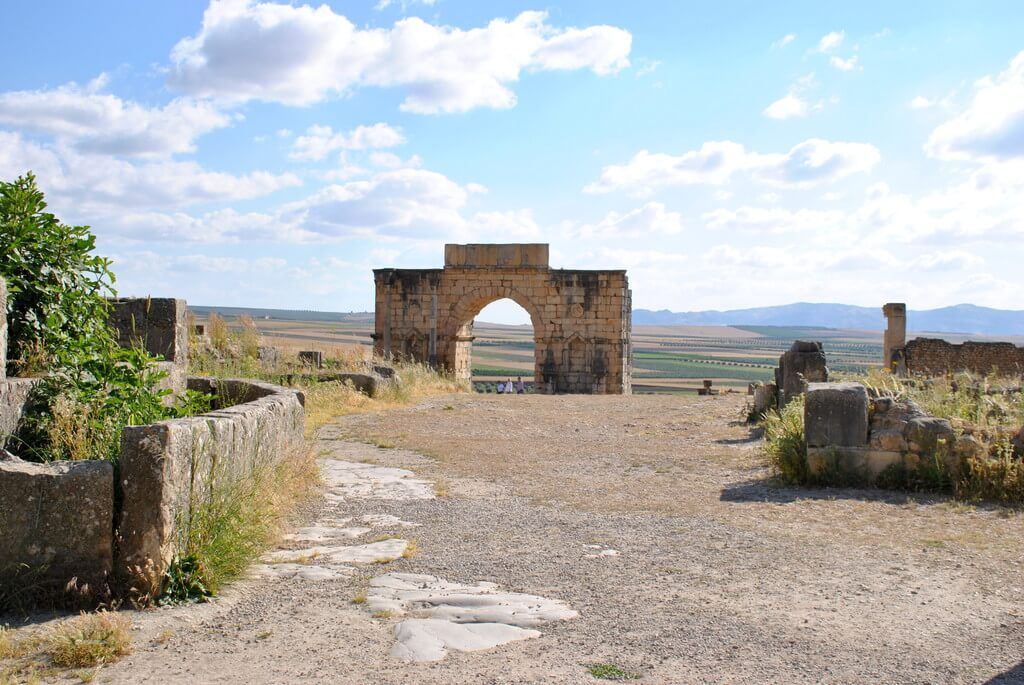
<point>411,547</point>
<point>89,640</point>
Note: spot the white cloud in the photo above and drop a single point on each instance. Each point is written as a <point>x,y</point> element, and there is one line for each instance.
<point>787,107</point>
<point>90,185</point>
<point>390,160</point>
<point>405,202</point>
<point>102,123</point>
<point>784,41</point>
<point>646,66</point>
<point>831,41</point>
<point>299,55</point>
<point>320,141</point>
<point>404,4</point>
<point>848,64</point>
<point>921,102</point>
<point>811,162</point>
<point>992,127</point>
<point>650,219</point>
<point>773,220</point>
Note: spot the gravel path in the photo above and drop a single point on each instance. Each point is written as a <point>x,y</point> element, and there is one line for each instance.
<point>718,576</point>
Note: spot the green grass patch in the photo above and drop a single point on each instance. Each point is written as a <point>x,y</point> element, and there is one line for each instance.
<point>611,672</point>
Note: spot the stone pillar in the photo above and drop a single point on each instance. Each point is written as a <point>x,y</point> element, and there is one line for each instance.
<point>895,338</point>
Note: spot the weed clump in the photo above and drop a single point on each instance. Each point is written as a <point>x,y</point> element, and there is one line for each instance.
<point>611,672</point>
<point>784,446</point>
<point>89,640</point>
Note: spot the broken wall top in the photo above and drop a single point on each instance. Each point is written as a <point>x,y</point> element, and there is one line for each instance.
<point>510,255</point>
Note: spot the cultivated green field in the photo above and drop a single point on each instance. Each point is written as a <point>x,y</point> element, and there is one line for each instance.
<point>665,358</point>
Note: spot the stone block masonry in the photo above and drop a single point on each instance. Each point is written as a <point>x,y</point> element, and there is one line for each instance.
<point>582,320</point>
<point>168,470</point>
<point>936,357</point>
<point>160,326</point>
<point>58,519</point>
<point>3,329</point>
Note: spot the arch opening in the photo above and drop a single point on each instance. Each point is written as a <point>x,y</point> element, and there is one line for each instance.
<point>496,343</point>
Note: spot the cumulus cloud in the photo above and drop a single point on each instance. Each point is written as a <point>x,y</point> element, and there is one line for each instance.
<point>811,162</point>
<point>848,64</point>
<point>921,102</point>
<point>650,219</point>
<point>320,141</point>
<point>992,127</point>
<point>830,41</point>
<point>789,106</point>
<point>103,123</point>
<point>405,202</point>
<point>92,184</point>
<point>784,41</point>
<point>771,220</point>
<point>299,55</point>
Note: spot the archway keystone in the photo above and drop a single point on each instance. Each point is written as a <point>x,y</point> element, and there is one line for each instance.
<point>582,320</point>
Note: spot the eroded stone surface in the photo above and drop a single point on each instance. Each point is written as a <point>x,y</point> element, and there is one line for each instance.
<point>479,616</point>
<point>303,571</point>
<point>350,480</point>
<point>323,533</point>
<point>430,639</point>
<point>373,552</point>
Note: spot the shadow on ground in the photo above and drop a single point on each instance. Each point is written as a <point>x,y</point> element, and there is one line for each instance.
<point>769,490</point>
<point>1014,675</point>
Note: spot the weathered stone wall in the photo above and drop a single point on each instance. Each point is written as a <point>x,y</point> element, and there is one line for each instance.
<point>804,362</point>
<point>160,326</point>
<point>168,470</point>
<point>582,320</point>
<point>58,519</point>
<point>14,392</point>
<point>849,432</point>
<point>3,329</point>
<point>936,356</point>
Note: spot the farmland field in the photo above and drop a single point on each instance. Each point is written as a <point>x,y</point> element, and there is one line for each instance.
<point>665,358</point>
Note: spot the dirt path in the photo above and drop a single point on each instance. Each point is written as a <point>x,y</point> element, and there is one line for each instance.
<point>650,517</point>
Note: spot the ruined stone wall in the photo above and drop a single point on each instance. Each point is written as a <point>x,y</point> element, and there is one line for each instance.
<point>936,356</point>
<point>168,469</point>
<point>14,392</point>
<point>582,320</point>
<point>160,326</point>
<point>58,520</point>
<point>853,434</point>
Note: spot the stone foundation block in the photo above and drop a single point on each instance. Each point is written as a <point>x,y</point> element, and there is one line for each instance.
<point>836,415</point>
<point>58,517</point>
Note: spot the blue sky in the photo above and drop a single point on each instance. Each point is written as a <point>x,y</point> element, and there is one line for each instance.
<point>726,154</point>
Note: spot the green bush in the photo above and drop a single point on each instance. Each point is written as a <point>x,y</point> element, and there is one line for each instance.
<point>58,315</point>
<point>57,288</point>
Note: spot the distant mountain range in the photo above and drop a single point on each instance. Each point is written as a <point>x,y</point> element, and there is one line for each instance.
<point>961,318</point>
<point>281,314</point>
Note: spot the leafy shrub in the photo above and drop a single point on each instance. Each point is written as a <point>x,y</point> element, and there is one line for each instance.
<point>784,444</point>
<point>58,314</point>
<point>57,288</point>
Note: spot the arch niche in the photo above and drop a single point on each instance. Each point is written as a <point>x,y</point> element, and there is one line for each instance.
<point>581,319</point>
<point>459,328</point>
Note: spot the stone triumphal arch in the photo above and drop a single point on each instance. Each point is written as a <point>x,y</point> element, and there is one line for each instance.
<point>582,320</point>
